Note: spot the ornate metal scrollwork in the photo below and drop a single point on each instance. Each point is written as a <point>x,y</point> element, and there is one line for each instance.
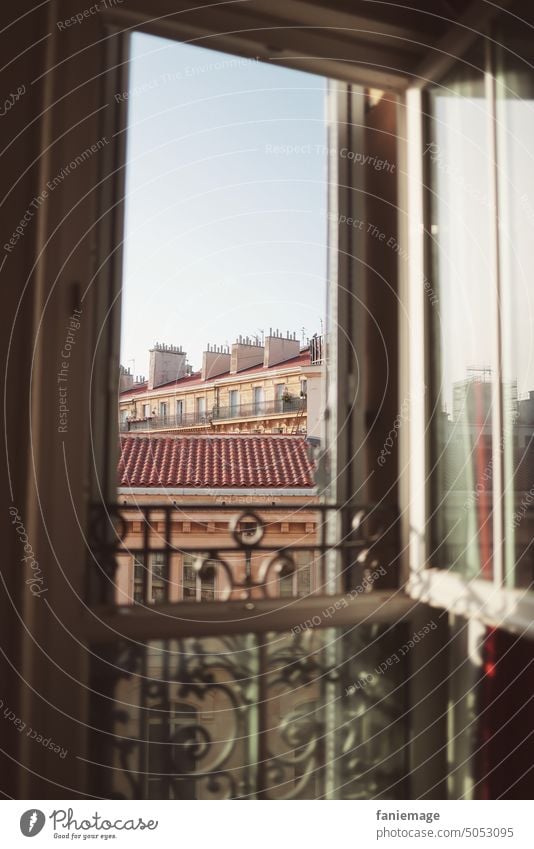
<point>246,562</point>
<point>253,717</point>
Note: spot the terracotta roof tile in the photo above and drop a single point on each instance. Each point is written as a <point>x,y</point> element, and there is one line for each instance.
<point>215,461</point>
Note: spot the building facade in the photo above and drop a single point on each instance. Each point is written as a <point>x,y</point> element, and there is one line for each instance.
<point>190,485</point>
<point>274,387</point>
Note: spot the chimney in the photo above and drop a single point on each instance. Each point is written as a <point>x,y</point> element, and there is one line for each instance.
<point>126,379</point>
<point>279,348</point>
<point>167,362</point>
<point>246,352</point>
<point>215,361</point>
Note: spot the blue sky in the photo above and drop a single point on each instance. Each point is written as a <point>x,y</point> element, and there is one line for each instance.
<point>225,221</point>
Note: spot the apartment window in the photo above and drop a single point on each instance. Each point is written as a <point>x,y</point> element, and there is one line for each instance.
<point>278,396</point>
<point>139,578</point>
<point>179,410</point>
<point>146,411</point>
<point>201,407</point>
<point>159,577</point>
<point>259,398</point>
<point>297,582</point>
<point>303,387</point>
<point>197,586</point>
<point>156,580</point>
<point>233,398</point>
<point>163,407</point>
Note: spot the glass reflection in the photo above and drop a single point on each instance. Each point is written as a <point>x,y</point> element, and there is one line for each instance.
<point>462,321</point>
<point>515,123</point>
<point>305,714</point>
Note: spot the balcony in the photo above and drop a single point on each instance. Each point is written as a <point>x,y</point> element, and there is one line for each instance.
<point>251,550</point>
<point>259,410</point>
<point>244,655</point>
<point>317,344</point>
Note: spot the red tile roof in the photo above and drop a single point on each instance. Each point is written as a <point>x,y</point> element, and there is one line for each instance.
<point>215,461</point>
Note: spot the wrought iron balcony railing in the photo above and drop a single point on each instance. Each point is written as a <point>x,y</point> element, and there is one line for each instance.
<point>263,409</point>
<point>224,552</point>
<point>317,344</point>
<point>245,698</point>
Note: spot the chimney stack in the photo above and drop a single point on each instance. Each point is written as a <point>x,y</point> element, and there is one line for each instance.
<point>126,379</point>
<point>215,361</point>
<point>167,362</point>
<point>246,353</point>
<point>279,348</point>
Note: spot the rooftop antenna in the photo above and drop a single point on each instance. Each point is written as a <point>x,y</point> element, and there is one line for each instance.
<point>481,373</point>
<point>303,335</point>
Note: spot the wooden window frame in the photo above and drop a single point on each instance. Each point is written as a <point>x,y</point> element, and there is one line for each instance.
<point>105,46</point>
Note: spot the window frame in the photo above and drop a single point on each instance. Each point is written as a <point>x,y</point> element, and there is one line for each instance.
<point>487,601</point>
<point>345,107</point>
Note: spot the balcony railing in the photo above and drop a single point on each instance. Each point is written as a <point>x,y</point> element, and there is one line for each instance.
<point>262,409</point>
<point>218,534</point>
<point>317,350</point>
<point>241,693</point>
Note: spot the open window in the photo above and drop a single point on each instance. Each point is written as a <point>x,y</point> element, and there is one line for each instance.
<point>186,618</point>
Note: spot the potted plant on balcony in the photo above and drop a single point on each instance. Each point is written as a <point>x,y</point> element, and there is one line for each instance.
<point>286,399</point>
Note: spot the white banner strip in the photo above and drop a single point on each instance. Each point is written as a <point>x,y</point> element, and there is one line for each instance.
<point>240,825</point>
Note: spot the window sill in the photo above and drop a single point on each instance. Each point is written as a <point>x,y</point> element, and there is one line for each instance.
<point>497,607</point>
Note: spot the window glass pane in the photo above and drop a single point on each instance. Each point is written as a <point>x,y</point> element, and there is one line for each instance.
<point>461,305</point>
<point>233,397</point>
<point>139,578</point>
<point>273,716</point>
<point>159,569</point>
<point>189,580</point>
<point>139,567</point>
<point>286,585</point>
<point>515,122</point>
<point>159,576</point>
<point>304,581</point>
<point>195,585</point>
